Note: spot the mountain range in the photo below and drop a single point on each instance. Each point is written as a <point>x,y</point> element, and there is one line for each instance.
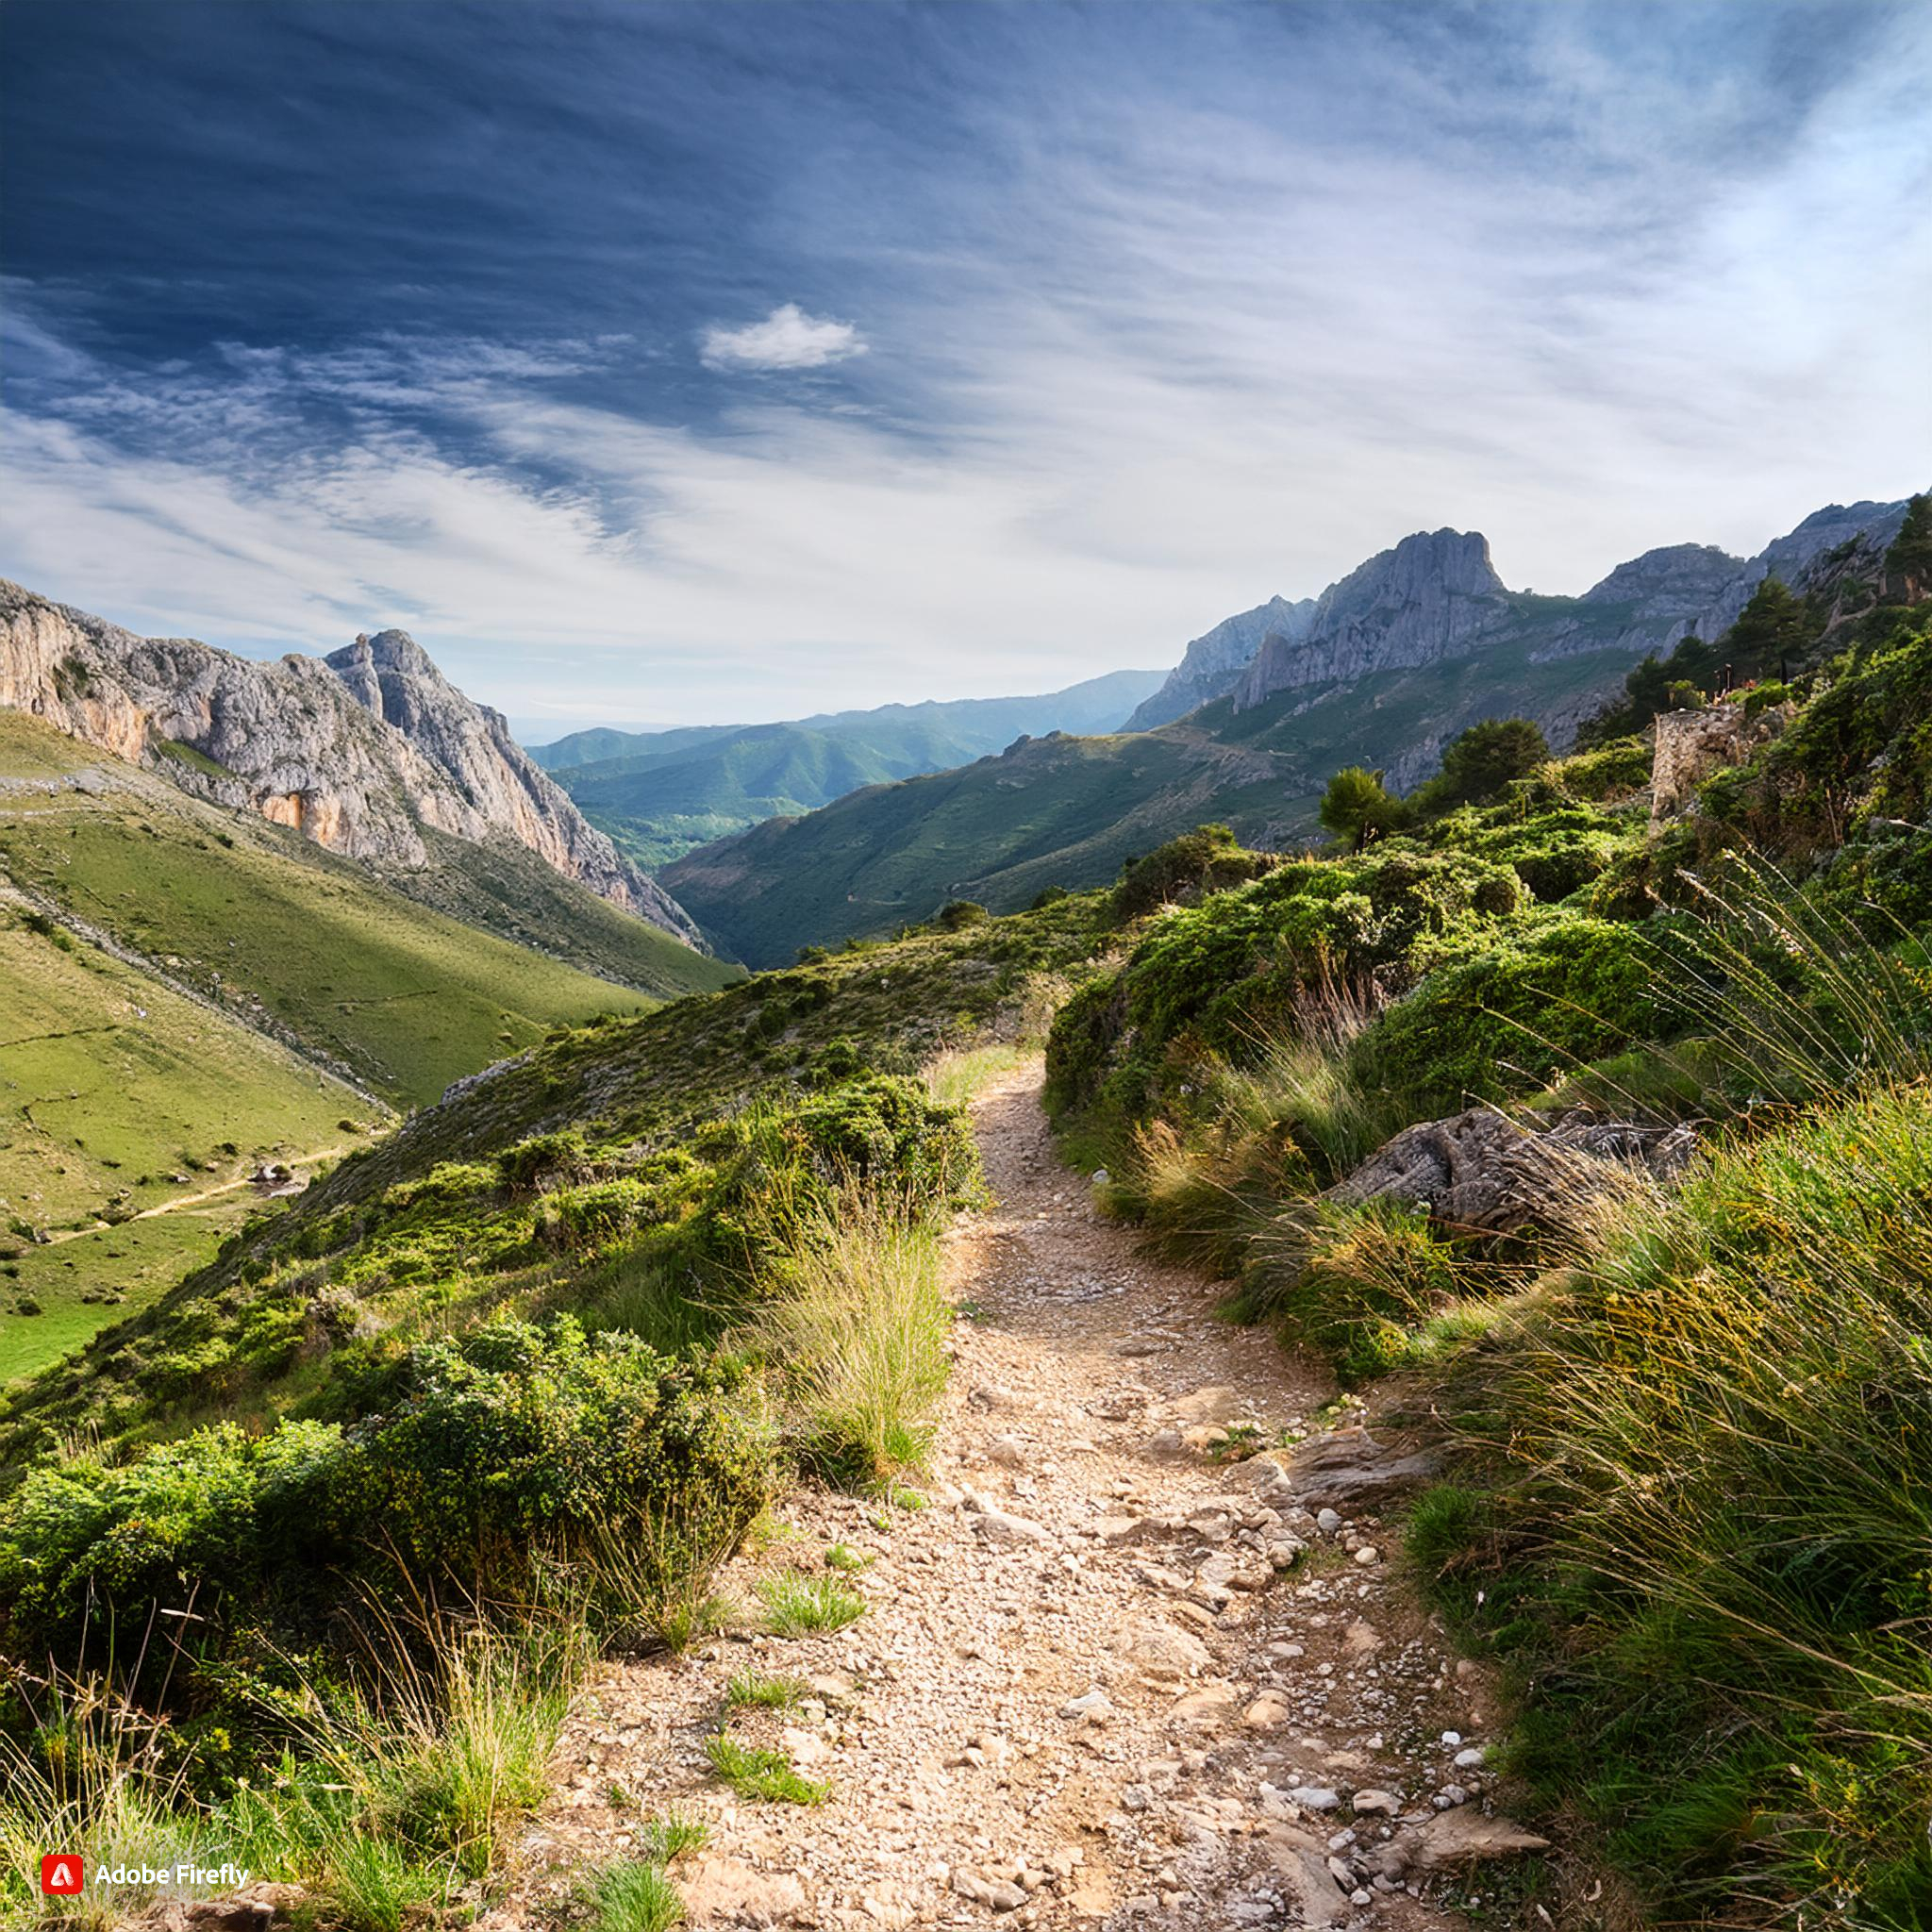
<point>659,793</point>
<point>1381,670</point>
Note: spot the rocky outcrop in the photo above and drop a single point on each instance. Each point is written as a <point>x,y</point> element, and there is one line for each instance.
<point>364,752</point>
<point>1690,745</point>
<point>1417,604</point>
<point>1479,1172</point>
<point>1212,664</point>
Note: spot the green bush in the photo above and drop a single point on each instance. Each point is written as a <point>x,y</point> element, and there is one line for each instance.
<point>522,1445</point>
<point>1612,771</point>
<point>543,1160</point>
<point>1507,1020</point>
<point>887,1129</point>
<point>1208,859</point>
<point>1083,1030</point>
<point>597,1213</point>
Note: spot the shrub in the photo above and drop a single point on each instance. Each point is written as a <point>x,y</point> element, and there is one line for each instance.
<point>596,1214</point>
<point>957,914</point>
<point>1612,771</point>
<point>890,1128</point>
<point>519,1447</point>
<point>544,1161</point>
<point>1508,1019</point>
<point>1077,1045</point>
<point>1208,859</point>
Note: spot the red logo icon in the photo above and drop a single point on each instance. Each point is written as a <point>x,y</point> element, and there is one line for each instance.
<point>61,1873</point>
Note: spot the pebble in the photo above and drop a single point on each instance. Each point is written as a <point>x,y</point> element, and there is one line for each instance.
<point>1095,1703</point>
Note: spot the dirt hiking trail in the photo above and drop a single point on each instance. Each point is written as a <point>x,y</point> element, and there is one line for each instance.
<point>1103,1679</point>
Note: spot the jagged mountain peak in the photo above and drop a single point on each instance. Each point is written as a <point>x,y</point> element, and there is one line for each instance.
<point>1213,662</point>
<point>1680,576</point>
<point>370,752</point>
<point>387,649</point>
<point>1457,560</point>
<point>1409,605</point>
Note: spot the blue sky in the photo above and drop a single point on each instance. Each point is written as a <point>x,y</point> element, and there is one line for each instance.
<point>674,364</point>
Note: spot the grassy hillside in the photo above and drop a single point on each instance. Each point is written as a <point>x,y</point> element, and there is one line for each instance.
<point>122,1103</point>
<point>661,793</point>
<point>496,1394</point>
<point>290,939</point>
<point>1065,811</point>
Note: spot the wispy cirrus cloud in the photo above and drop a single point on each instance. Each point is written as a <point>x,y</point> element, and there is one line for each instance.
<point>785,339</point>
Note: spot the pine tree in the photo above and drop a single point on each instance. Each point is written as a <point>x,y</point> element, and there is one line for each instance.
<point>1909,562</point>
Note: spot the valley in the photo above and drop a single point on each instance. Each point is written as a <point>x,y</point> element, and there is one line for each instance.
<point>658,795</point>
<point>190,991</point>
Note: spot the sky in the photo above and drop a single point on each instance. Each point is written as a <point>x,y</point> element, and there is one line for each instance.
<point>672,364</point>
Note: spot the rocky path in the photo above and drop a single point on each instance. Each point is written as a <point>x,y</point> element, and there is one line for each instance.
<point>1106,1678</point>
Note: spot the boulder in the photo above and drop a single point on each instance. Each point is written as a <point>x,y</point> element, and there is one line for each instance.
<point>1481,1172</point>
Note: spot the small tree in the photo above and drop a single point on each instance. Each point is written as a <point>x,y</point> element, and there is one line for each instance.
<point>1357,807</point>
<point>1772,626</point>
<point>1909,562</point>
<point>1478,764</point>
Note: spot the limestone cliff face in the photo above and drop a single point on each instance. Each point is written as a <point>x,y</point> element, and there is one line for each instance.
<point>1212,665</point>
<point>1689,588</point>
<point>362,752</point>
<point>1417,604</point>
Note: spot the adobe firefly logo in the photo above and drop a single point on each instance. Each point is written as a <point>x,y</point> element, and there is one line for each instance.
<point>61,1874</point>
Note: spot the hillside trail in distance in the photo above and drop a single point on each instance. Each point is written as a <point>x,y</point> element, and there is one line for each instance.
<point>1083,1693</point>
<point>295,1163</point>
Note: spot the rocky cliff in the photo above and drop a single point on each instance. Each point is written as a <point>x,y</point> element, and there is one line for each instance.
<point>1436,596</point>
<point>368,751</point>
<point>1416,604</point>
<point>1212,665</point>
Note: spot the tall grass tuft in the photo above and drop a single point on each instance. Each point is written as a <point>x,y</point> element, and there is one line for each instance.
<point>857,1331</point>
<point>630,1896</point>
<point>1795,1004</point>
<point>92,1775</point>
<point>1709,1538</point>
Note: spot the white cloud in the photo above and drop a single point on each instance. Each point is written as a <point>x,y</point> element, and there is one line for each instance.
<point>787,339</point>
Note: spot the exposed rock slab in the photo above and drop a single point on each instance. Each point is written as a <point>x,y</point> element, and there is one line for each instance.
<point>1480,1172</point>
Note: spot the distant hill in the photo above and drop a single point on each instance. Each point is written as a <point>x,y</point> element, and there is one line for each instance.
<point>295,942</point>
<point>659,793</point>
<point>1418,642</point>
